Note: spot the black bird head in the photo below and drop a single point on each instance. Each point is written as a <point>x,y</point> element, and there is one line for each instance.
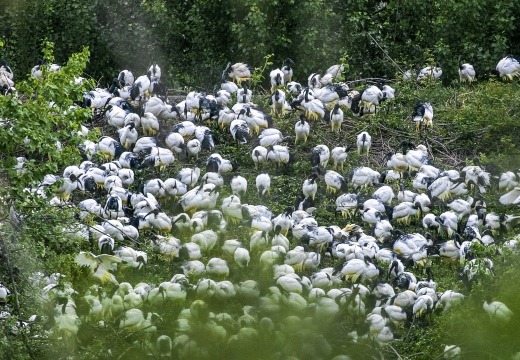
<point>288,61</point>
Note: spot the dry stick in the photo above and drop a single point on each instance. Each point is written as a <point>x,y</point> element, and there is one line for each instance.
<point>388,56</point>
<point>395,351</point>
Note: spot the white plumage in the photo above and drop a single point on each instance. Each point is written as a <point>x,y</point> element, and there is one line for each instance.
<point>364,141</point>
<point>263,184</point>
<point>507,68</point>
<point>466,71</point>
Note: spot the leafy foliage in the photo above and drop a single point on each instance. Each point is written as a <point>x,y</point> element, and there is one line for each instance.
<point>196,39</point>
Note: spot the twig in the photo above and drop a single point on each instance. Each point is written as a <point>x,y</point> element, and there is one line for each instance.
<point>409,330</point>
<point>394,350</point>
<point>388,56</point>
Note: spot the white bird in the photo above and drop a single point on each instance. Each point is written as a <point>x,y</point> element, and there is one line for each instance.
<point>130,257</point>
<point>128,135</point>
<point>388,92</point>
<point>149,124</point>
<point>371,97</point>
<point>497,311</point>
<point>336,118</point>
<point>240,131</point>
<point>239,186</point>
<point>154,72</point>
<point>293,87</point>
<point>301,129</point>
<point>99,265</point>
<point>259,155</point>
<point>126,77</point>
<point>320,156</point>
<point>244,95</point>
<point>466,71</point>
<point>429,72</point>
<point>451,352</point>
<point>115,116</point>
<point>423,114</point>
<point>507,68</point>
<point>242,257</point>
<point>363,176</point>
<point>278,154</point>
<point>217,267</point>
<point>226,117</point>
<point>309,187</point>
<point>364,141</point>
<point>263,184</point>
<point>4,292</point>
<point>511,197</point>
<point>422,306</point>
<point>140,88</point>
<point>206,137</point>
<point>335,71</point>
<point>109,148</point>
<point>185,128</point>
<point>397,162</point>
<point>287,70</point>
<point>239,72</point>
<point>277,77</point>
<point>278,103</point>
<point>335,182</point>
<point>418,157</point>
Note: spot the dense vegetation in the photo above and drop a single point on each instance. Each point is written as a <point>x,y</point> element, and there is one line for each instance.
<point>470,121</point>
<point>194,40</point>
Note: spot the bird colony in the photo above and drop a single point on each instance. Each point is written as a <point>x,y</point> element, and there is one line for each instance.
<point>154,192</point>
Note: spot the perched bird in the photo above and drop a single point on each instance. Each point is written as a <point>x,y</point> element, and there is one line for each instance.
<point>263,184</point>
<point>339,156</point>
<point>5,71</point>
<point>99,265</point>
<point>277,77</point>
<point>239,72</point>
<point>293,87</point>
<point>141,87</point>
<point>309,187</point>
<point>335,71</point>
<point>320,156</point>
<point>423,114</point>
<point>430,72</point>
<point>335,182</point>
<point>287,70</point>
<point>336,118</point>
<point>206,137</point>
<point>497,311</point>
<point>364,141</point>
<point>239,186</point>
<point>244,95</point>
<point>4,292</point>
<point>154,72</point>
<point>371,97</point>
<point>466,71</point>
<point>259,155</point>
<point>278,154</point>
<point>278,103</point>
<point>240,131</point>
<point>109,148</point>
<point>302,129</point>
<point>128,135</point>
<point>388,92</point>
<point>126,77</point>
<point>507,68</point>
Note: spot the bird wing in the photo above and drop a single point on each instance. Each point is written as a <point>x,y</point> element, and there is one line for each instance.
<point>109,262</point>
<point>87,259</point>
